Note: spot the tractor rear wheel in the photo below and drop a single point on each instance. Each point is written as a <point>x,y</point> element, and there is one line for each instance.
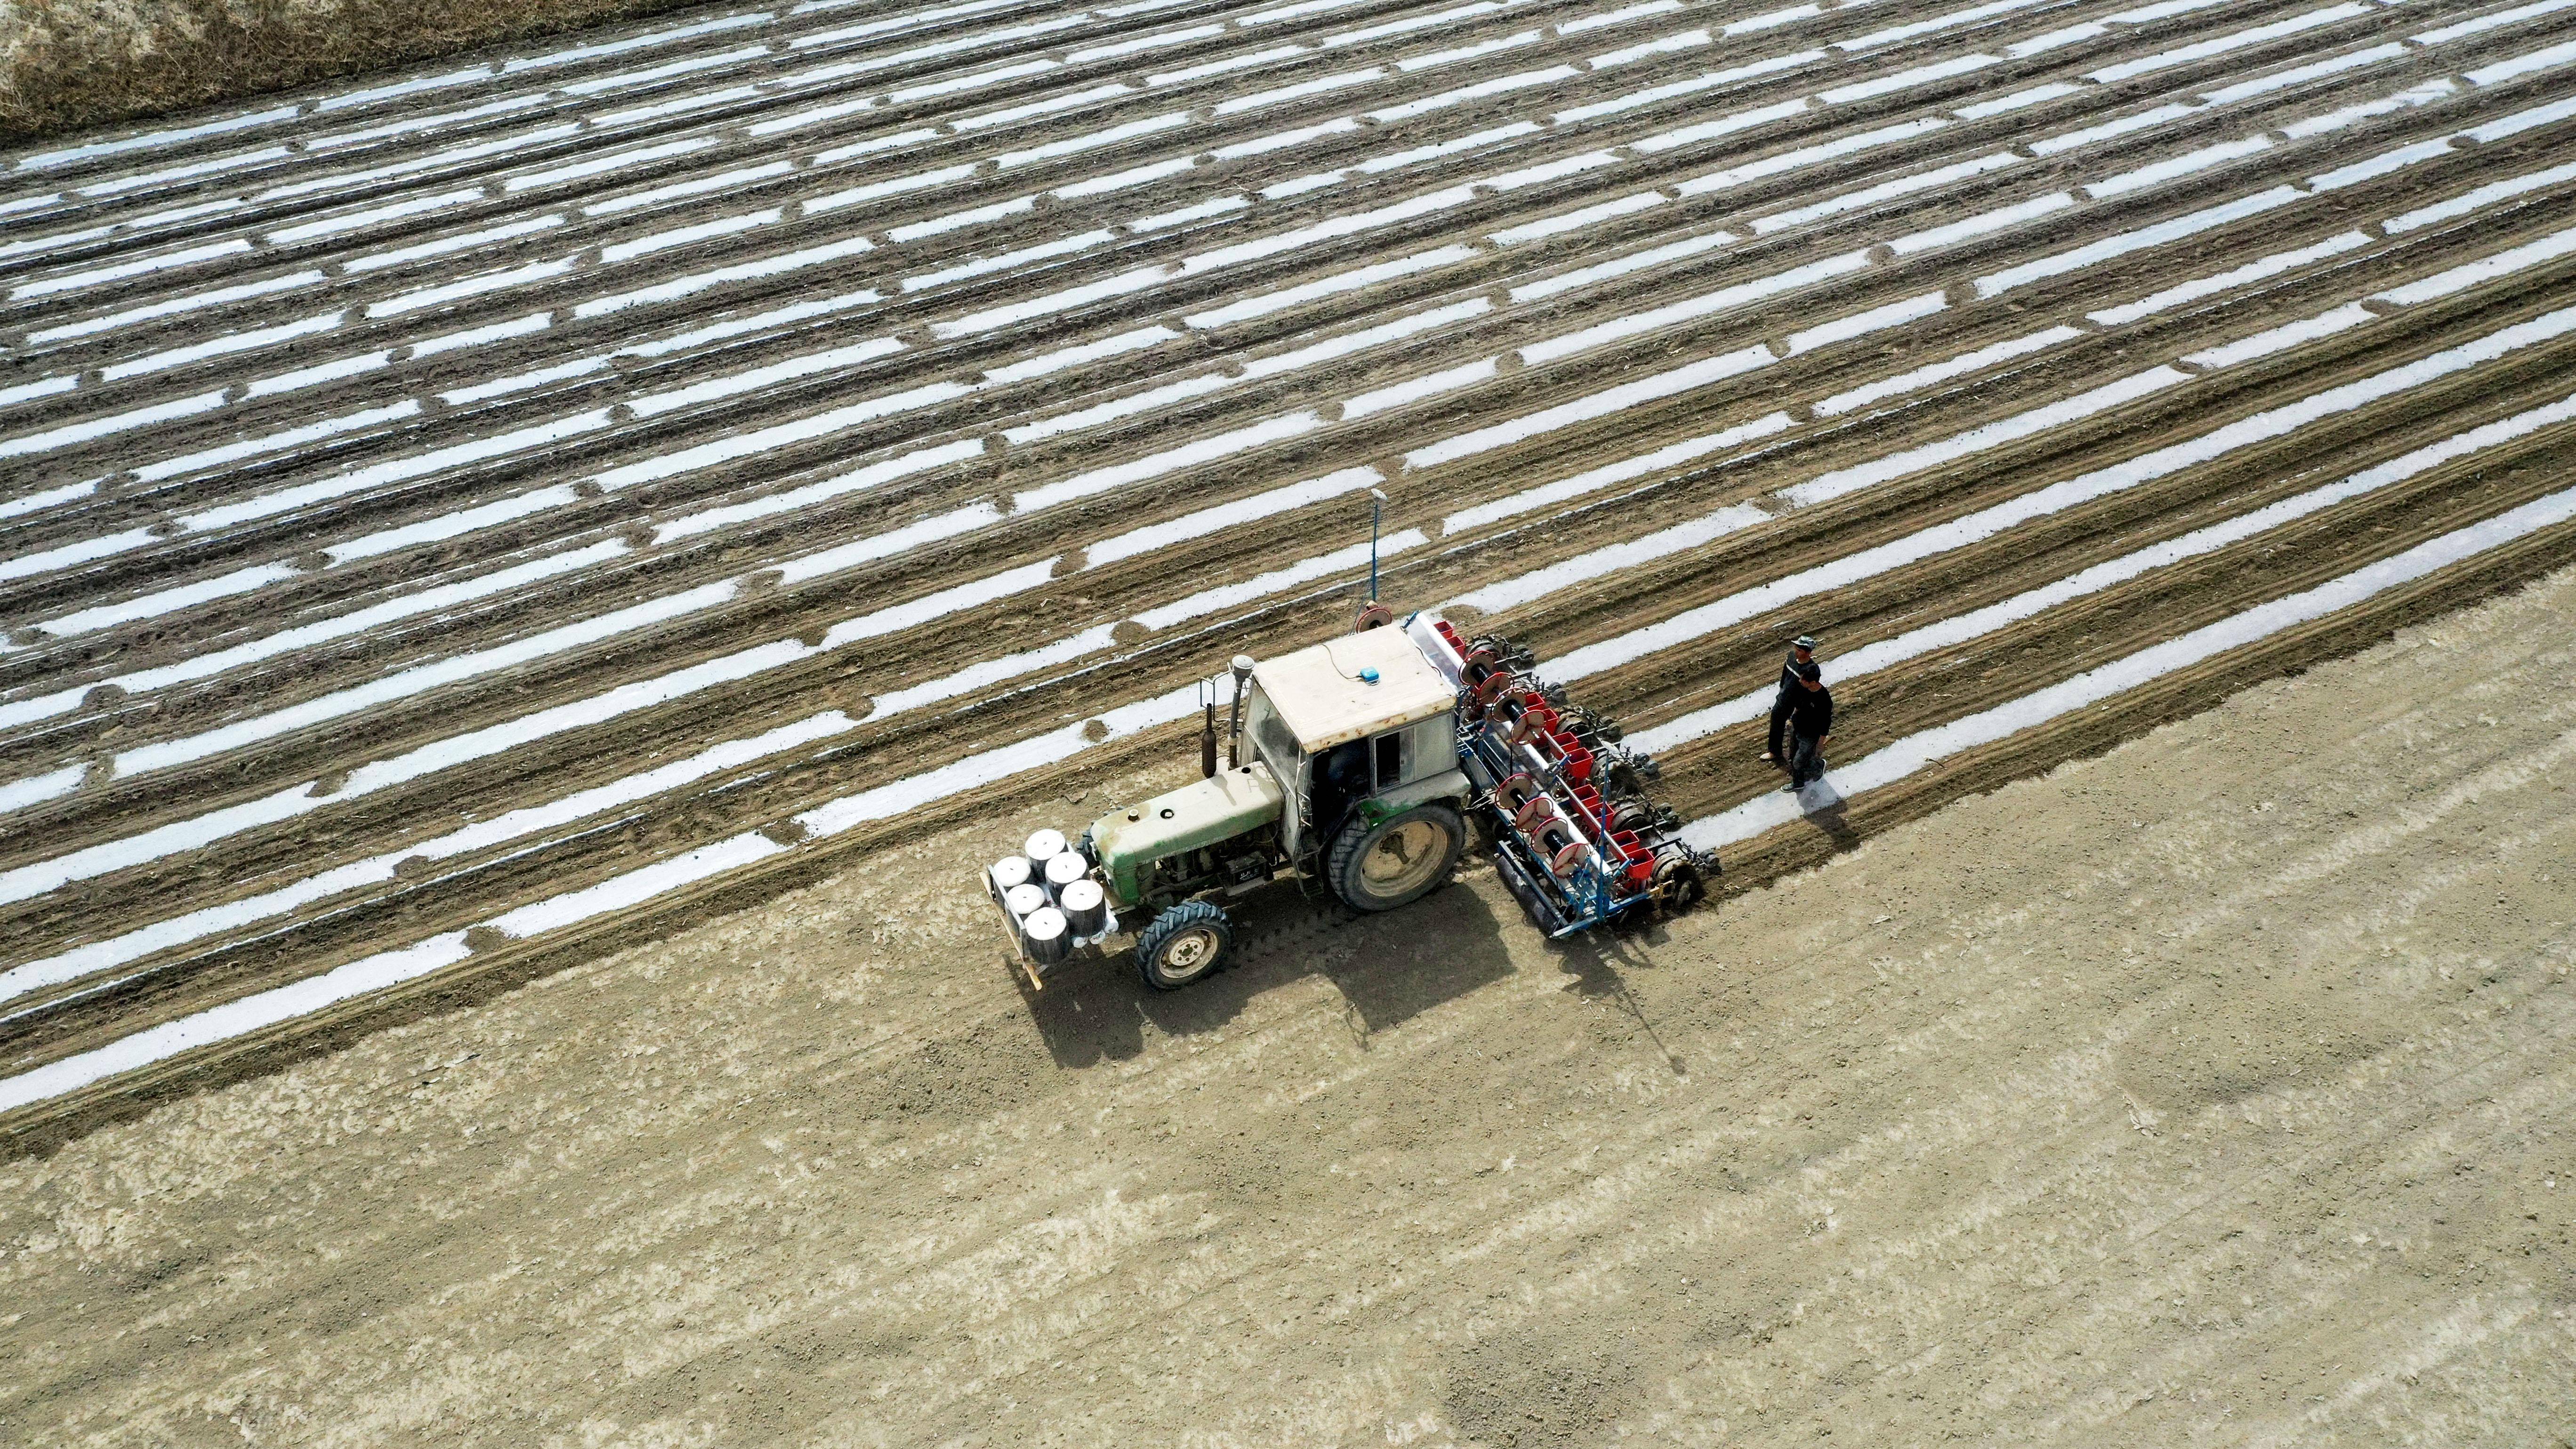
<point>1184,944</point>
<point>1398,860</point>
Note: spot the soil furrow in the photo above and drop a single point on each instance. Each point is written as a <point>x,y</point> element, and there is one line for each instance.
<point>2141,615</point>
<point>2340,177</point>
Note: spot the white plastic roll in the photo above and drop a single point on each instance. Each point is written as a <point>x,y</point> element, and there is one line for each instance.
<point>1009,871</point>
<point>1025,899</point>
<point>1044,846</point>
<point>1050,940</point>
<point>1085,908</point>
<point>1063,870</point>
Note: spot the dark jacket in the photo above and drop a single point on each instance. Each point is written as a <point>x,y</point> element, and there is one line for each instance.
<point>1811,712</point>
<point>1780,703</point>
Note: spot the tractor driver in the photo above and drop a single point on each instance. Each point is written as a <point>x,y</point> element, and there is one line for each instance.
<point>1341,779</point>
<point>1801,654</point>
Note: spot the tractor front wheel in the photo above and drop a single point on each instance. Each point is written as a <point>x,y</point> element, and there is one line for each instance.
<point>1184,944</point>
<point>1398,860</point>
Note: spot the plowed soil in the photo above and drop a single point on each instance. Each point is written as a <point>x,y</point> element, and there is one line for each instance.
<point>529,584</point>
<point>2212,1090</point>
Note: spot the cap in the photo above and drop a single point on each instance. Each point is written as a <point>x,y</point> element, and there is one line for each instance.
<point>1805,641</point>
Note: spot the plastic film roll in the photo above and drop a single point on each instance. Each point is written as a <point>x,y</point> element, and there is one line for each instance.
<point>1085,908</point>
<point>1063,870</point>
<point>1050,940</point>
<point>1044,846</point>
<point>1024,900</point>
<point>1009,871</point>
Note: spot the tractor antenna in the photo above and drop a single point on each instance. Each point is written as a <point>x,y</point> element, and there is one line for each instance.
<point>1377,506</point>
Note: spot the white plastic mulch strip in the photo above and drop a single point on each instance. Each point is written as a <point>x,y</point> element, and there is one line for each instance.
<point>1922,750</point>
<point>36,789</point>
<point>1960,628</point>
<point>41,877</point>
<point>1886,766</point>
<point>232,1019</point>
<point>514,826</point>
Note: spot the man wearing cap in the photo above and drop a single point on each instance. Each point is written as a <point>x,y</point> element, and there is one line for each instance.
<point>1801,653</point>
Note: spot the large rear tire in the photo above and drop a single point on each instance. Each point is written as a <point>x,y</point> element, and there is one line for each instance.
<point>1187,943</point>
<point>1398,860</point>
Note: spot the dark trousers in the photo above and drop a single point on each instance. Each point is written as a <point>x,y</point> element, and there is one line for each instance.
<point>1779,726</point>
<point>1806,761</point>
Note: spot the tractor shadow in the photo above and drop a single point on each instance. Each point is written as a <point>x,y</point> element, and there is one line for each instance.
<point>1388,968</point>
<point>1598,962</point>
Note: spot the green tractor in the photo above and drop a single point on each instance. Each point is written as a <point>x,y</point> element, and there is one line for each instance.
<point>1355,765</point>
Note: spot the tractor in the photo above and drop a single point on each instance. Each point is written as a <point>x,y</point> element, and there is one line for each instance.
<point>1355,767</point>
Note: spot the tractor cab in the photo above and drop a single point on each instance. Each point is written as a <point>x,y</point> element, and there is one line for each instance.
<point>1360,728</point>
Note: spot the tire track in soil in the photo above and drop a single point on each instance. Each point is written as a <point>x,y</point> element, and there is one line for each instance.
<point>2047,642</point>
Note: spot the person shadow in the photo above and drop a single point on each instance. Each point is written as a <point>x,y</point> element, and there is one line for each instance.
<point>1389,967</point>
<point>1823,806</point>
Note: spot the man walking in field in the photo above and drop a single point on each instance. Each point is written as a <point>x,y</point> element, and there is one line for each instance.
<point>1811,723</point>
<point>1801,653</point>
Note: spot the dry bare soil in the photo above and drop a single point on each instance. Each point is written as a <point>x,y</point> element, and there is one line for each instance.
<point>66,64</point>
<point>2216,1090</point>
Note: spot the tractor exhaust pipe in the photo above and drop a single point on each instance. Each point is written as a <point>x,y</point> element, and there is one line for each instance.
<point>1234,725</point>
<point>1207,744</point>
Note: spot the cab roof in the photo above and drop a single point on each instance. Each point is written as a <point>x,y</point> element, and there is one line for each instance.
<point>1320,695</point>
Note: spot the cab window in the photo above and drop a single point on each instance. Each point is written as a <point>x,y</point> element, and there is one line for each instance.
<point>1422,748</point>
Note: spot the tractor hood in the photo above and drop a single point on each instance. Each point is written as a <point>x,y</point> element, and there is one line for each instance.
<point>1201,813</point>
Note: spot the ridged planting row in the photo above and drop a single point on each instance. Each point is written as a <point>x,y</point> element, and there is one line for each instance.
<point>2100,341</point>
